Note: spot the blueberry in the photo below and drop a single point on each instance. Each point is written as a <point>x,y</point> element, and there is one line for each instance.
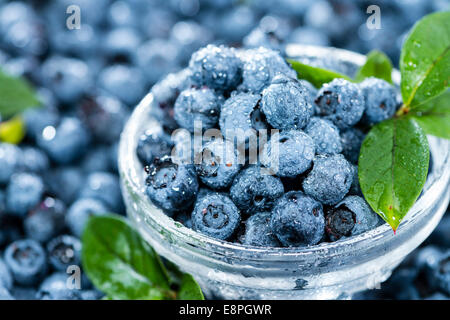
<point>355,188</point>
<point>26,260</point>
<point>254,191</point>
<point>440,276</point>
<point>104,115</point>
<point>350,217</point>
<point>197,105</point>
<point>297,220</point>
<point>125,82</point>
<point>91,295</point>
<point>258,231</point>
<point>215,215</point>
<point>381,100</point>
<point>121,43</point>
<point>165,93</point>
<point>440,235</point>
<point>261,66</point>
<point>310,96</point>
<point>64,251</point>
<point>46,220</point>
<point>153,145</point>
<point>68,78</point>
<point>325,135</point>
<point>66,142</point>
<point>288,153</point>
<point>185,219</point>
<point>339,223</point>
<point>34,160</point>
<point>10,160</point>
<point>341,102</point>
<point>427,258</point>
<point>96,159</point>
<point>113,153</point>
<point>437,296</point>
<point>258,37</point>
<point>171,187</point>
<point>351,140</point>
<point>6,280</point>
<point>285,103</point>
<point>330,179</point>
<point>37,119</point>
<point>216,67</point>
<point>54,287</point>
<point>105,187</point>
<point>24,192</point>
<point>217,164</point>
<point>157,57</point>
<point>79,213</point>
<point>65,183</point>
<point>241,117</point>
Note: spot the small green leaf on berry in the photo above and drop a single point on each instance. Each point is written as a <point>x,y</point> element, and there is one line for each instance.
<point>377,65</point>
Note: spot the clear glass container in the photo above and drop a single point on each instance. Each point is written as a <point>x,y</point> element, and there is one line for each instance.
<point>326,271</point>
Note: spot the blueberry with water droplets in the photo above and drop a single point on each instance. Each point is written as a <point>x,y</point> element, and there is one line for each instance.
<point>64,251</point>
<point>153,144</point>
<point>285,103</point>
<point>339,223</point>
<point>297,220</point>
<point>197,106</point>
<point>27,261</point>
<point>241,117</point>
<point>330,179</point>
<point>215,215</point>
<point>325,135</point>
<point>254,190</point>
<point>381,100</point>
<point>216,67</point>
<point>217,164</point>
<point>341,102</point>
<point>171,187</point>
<point>260,66</point>
<point>288,153</point>
<point>258,231</point>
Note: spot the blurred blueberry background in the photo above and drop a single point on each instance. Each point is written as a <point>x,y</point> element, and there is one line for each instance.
<point>89,80</point>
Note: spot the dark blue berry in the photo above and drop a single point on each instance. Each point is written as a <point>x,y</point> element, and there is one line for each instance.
<point>80,211</point>
<point>330,179</point>
<point>153,144</point>
<point>258,231</point>
<point>105,187</point>
<point>286,104</point>
<point>64,251</point>
<point>216,67</point>
<point>24,192</point>
<point>197,107</point>
<point>288,153</point>
<point>297,220</point>
<point>217,164</point>
<point>381,99</point>
<point>341,102</point>
<point>351,140</point>
<point>27,261</point>
<point>325,135</point>
<point>255,191</point>
<point>170,186</point>
<point>215,215</point>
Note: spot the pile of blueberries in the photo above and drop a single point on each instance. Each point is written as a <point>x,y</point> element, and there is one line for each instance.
<point>302,187</point>
<point>89,79</point>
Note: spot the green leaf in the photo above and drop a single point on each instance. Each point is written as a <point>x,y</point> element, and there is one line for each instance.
<point>377,65</point>
<point>425,59</point>
<point>435,117</point>
<point>120,263</point>
<point>316,76</point>
<point>12,131</point>
<point>393,166</point>
<point>16,95</point>
<point>189,289</point>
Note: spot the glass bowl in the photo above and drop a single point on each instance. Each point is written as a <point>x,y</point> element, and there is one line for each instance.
<point>325,271</point>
